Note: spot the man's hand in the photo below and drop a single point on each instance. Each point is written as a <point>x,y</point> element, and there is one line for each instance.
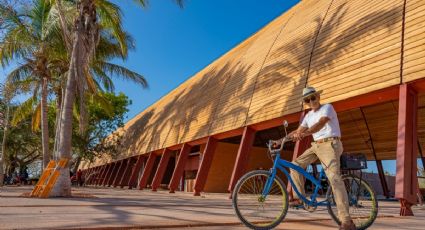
<point>276,143</point>
<point>297,136</point>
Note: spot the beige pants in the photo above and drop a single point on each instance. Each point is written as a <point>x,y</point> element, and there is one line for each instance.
<point>328,153</point>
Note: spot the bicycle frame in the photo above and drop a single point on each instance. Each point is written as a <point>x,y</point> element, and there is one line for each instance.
<point>280,164</point>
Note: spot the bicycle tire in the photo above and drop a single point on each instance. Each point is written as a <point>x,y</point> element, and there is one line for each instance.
<point>352,183</point>
<point>237,193</point>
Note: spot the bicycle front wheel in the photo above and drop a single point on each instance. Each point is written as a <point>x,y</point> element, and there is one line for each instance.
<point>255,210</point>
<point>362,200</point>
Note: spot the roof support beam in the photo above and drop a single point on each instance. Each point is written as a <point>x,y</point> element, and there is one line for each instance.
<point>94,173</point>
<point>383,179</point>
<point>127,172</point>
<point>242,157</point>
<point>135,172</point>
<point>102,175</point>
<point>381,174</point>
<point>406,178</point>
<point>120,172</point>
<point>147,170</point>
<point>108,174</point>
<point>115,168</point>
<point>179,169</point>
<point>163,163</point>
<point>89,175</point>
<point>204,168</point>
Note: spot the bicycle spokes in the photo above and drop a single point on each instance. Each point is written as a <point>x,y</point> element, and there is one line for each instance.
<point>254,207</point>
<point>363,206</point>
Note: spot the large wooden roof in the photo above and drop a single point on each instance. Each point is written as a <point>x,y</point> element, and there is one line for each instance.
<point>343,47</point>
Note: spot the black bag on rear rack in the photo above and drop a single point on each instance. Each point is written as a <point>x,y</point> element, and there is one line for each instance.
<point>353,161</point>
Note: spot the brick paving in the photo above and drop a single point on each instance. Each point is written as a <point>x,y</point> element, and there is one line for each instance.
<point>99,208</point>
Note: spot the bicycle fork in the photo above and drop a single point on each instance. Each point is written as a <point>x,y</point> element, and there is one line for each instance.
<point>269,183</point>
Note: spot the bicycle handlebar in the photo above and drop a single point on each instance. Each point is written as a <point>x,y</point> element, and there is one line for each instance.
<point>283,141</point>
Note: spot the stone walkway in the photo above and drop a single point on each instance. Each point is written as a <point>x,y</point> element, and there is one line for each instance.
<point>123,208</point>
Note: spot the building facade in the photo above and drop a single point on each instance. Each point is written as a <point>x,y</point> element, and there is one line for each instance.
<point>368,57</point>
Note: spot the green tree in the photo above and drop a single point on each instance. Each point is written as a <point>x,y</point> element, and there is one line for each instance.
<point>102,123</point>
<point>32,36</point>
<point>23,147</point>
<point>6,94</point>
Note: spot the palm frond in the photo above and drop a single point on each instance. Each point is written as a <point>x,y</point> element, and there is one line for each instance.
<point>109,48</point>
<point>143,3</point>
<point>24,110</point>
<point>123,73</point>
<point>20,74</point>
<point>100,76</point>
<point>15,45</point>
<point>110,20</point>
<point>92,86</point>
<point>36,118</point>
<point>39,14</point>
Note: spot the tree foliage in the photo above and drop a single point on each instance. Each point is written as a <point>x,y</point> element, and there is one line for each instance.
<point>103,122</point>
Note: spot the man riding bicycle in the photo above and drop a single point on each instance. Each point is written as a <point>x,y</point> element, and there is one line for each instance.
<point>322,122</point>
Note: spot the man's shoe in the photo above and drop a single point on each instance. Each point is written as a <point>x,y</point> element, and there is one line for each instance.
<point>295,203</point>
<point>348,226</point>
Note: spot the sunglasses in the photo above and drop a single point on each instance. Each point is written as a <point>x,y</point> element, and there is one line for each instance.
<point>312,98</point>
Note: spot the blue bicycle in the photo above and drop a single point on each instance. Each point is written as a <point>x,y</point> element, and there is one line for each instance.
<point>260,198</point>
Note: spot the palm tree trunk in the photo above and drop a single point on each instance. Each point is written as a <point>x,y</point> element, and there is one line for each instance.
<point>83,43</point>
<point>63,185</point>
<point>59,103</point>
<point>3,145</point>
<point>44,124</point>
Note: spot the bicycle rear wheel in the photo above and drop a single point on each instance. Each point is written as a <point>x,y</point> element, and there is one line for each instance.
<point>362,200</point>
<point>252,208</point>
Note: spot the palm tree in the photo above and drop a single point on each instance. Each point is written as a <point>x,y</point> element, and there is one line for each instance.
<point>81,43</point>
<point>35,39</point>
<point>30,37</point>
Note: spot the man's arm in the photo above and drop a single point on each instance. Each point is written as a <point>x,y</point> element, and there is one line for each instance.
<point>316,127</point>
<point>298,133</point>
<point>295,135</point>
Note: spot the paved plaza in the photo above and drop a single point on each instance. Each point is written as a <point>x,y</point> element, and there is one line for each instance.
<point>100,208</point>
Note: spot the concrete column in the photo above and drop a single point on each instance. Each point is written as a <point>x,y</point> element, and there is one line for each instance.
<point>135,172</point>
<point>147,171</point>
<point>108,174</point>
<point>120,173</point>
<point>161,169</point>
<point>205,166</point>
<point>115,168</point>
<point>178,171</point>
<point>407,149</point>
<point>102,174</point>
<point>242,157</point>
<point>127,172</point>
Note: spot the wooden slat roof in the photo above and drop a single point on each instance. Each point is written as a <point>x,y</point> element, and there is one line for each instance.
<point>343,47</point>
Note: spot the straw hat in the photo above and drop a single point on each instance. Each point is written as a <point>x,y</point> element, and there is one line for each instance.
<point>308,91</point>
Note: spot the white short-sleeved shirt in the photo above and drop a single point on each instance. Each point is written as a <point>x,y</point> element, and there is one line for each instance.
<point>331,128</point>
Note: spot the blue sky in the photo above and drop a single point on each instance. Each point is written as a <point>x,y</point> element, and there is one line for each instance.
<point>172,44</point>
